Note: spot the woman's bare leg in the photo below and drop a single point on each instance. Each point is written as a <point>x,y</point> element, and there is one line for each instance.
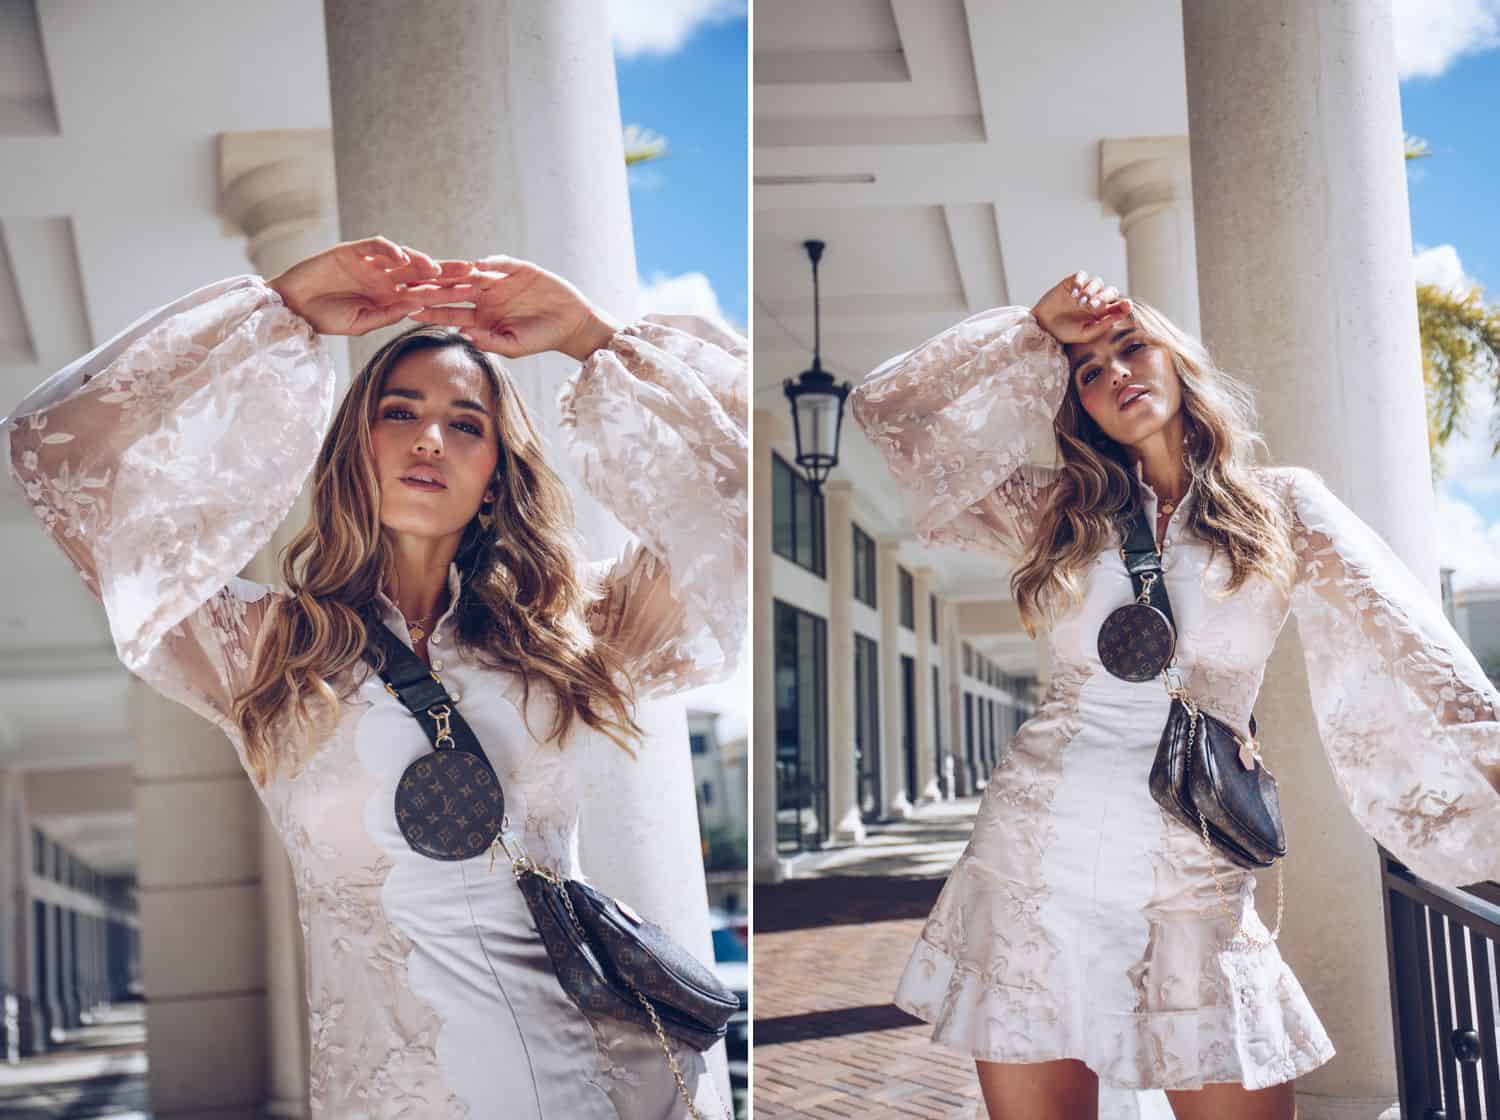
<point>1064,1089</point>
<point>1229,1101</point>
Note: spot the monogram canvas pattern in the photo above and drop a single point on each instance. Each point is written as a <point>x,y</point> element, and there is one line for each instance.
<point>449,805</point>
<point>1136,642</point>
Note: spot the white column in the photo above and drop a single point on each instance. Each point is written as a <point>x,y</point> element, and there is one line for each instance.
<point>277,188</point>
<point>202,933</point>
<point>1147,183</point>
<point>953,695</point>
<point>16,971</point>
<point>514,146</point>
<point>769,866</point>
<point>894,795</point>
<point>843,795</point>
<point>1304,246</point>
<point>928,788</point>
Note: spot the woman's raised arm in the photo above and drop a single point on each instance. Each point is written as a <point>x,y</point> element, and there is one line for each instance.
<point>164,460</point>
<point>951,417</point>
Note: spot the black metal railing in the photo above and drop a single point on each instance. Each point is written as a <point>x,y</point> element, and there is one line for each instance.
<point>1442,950</point>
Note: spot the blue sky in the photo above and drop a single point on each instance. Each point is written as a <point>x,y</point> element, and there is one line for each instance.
<point>683,69</point>
<point>1449,55</point>
<point>1454,191</point>
<point>690,209</point>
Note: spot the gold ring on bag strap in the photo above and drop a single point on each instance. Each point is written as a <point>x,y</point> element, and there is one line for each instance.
<point>523,864</point>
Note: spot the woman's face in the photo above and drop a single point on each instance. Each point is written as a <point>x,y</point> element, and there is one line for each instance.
<point>434,419</point>
<point>1109,375</point>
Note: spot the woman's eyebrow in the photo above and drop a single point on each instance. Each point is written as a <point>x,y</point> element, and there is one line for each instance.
<point>1090,355</point>
<point>418,395</point>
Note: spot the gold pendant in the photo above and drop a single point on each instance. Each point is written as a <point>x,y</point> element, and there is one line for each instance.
<point>417,633</point>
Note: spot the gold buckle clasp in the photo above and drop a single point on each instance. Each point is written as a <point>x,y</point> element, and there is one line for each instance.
<point>440,714</point>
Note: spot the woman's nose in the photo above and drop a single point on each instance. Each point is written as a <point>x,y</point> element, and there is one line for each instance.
<point>431,439</point>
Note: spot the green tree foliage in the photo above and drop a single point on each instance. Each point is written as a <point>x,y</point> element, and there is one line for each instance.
<point>1460,351</point>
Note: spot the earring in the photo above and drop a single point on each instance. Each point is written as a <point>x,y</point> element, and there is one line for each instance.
<point>486,520</point>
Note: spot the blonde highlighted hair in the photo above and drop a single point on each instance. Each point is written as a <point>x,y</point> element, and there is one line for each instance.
<point>1097,488</point>
<point>521,606</point>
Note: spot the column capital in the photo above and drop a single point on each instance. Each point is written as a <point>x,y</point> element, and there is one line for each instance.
<point>1140,175</point>
<point>276,184</point>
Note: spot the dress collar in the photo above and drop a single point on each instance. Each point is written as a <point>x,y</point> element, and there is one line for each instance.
<point>391,613</point>
<point>1187,495</point>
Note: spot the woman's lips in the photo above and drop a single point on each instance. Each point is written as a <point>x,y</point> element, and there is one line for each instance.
<point>417,484</point>
<point>1138,395</point>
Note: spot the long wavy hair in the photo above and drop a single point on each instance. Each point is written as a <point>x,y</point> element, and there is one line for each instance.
<point>521,606</point>
<point>1097,489</point>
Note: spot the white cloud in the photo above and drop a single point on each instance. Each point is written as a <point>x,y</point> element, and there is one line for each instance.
<point>661,27</point>
<point>1466,543</point>
<point>1440,265</point>
<point>1431,34</point>
<point>689,293</point>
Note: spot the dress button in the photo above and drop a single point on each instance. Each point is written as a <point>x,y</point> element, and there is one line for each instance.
<point>457,696</point>
<point>437,664</point>
<point>436,639</point>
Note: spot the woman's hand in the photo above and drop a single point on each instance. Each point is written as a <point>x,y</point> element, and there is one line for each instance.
<point>1080,309</point>
<point>358,286</point>
<point>520,309</point>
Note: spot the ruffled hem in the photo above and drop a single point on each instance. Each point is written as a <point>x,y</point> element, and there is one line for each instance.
<point>1266,1035</point>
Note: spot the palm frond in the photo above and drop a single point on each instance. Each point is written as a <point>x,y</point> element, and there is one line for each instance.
<point>642,145</point>
<point>1460,351</point>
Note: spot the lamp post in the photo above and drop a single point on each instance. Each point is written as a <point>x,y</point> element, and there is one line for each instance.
<point>817,400</point>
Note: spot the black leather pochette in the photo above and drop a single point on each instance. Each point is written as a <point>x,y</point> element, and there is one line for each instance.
<point>450,805</point>
<point>1205,774</point>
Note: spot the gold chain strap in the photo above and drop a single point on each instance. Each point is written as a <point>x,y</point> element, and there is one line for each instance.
<point>523,864</point>
<point>1242,938</point>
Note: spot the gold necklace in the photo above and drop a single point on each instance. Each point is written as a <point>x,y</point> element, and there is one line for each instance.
<point>418,630</point>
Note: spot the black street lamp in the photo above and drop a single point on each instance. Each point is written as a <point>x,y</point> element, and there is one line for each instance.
<point>817,401</point>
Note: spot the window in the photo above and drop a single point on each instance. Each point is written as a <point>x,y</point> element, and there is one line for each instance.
<point>908,607</point>
<point>708,793</point>
<point>932,625</point>
<point>968,660</point>
<point>796,518</point>
<point>937,724</point>
<point>801,674</point>
<point>699,742</point>
<point>867,724</point>
<point>864,567</point>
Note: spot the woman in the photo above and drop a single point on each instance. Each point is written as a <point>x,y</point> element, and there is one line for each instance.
<point>163,461</point>
<point>1083,936</point>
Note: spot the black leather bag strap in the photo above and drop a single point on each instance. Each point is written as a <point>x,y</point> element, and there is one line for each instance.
<point>1140,555</point>
<point>1139,551</point>
<point>418,688</point>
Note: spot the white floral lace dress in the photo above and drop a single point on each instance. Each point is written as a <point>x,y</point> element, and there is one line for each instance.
<point>163,461</point>
<point>1081,921</point>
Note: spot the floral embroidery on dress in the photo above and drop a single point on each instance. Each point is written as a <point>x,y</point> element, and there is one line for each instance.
<point>162,463</point>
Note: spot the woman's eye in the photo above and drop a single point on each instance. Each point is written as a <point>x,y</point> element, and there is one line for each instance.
<point>467,426</point>
<point>1134,346</point>
<point>1088,376</point>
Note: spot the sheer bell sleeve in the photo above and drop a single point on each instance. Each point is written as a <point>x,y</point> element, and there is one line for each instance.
<point>163,461</point>
<point>1408,719</point>
<point>951,419</point>
<point>656,423</point>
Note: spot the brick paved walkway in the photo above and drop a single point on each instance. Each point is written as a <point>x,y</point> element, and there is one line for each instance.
<point>828,952</point>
